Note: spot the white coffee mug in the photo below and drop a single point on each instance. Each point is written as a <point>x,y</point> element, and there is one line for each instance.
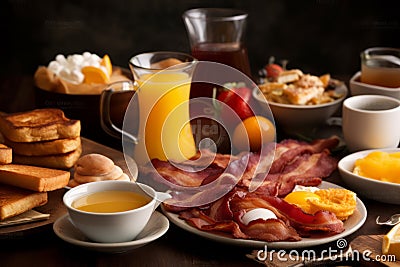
<point>112,227</point>
<point>371,122</point>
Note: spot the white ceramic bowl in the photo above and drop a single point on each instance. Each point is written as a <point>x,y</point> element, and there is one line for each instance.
<point>112,227</point>
<point>292,117</point>
<point>369,188</point>
<point>359,88</point>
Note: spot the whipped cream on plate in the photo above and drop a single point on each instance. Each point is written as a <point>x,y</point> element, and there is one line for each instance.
<point>70,68</point>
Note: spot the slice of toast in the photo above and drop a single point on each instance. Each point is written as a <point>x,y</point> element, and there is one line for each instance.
<point>289,76</point>
<point>14,200</point>
<point>33,178</point>
<point>52,147</point>
<point>57,161</point>
<point>38,125</point>
<point>5,154</point>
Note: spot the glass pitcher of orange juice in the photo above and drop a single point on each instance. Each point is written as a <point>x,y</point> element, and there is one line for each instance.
<point>160,106</point>
<point>163,95</point>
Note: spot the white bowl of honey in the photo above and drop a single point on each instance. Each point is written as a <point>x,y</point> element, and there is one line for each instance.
<point>112,211</point>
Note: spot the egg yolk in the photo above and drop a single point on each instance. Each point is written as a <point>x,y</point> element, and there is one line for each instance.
<point>300,199</point>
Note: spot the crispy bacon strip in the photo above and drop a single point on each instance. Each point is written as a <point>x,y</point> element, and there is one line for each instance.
<point>213,186</point>
<point>287,151</point>
<point>198,219</point>
<point>192,176</point>
<point>307,170</point>
<point>203,168</point>
<point>220,210</point>
<point>194,197</point>
<point>270,230</point>
<point>205,156</point>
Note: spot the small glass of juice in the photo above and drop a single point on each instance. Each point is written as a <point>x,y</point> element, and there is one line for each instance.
<point>381,66</point>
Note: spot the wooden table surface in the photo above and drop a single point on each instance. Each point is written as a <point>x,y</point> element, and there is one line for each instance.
<point>39,246</point>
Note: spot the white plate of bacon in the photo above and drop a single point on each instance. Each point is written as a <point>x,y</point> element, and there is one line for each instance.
<point>227,219</point>
<point>352,224</point>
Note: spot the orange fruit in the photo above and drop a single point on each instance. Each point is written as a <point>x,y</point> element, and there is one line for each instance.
<point>257,130</point>
<point>94,75</point>
<point>106,62</point>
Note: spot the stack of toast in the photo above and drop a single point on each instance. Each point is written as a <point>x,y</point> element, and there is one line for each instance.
<point>24,187</point>
<point>37,146</point>
<point>42,137</point>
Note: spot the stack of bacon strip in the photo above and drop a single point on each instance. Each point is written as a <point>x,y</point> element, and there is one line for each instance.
<point>294,163</point>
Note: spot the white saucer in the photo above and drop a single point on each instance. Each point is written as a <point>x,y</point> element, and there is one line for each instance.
<point>157,226</point>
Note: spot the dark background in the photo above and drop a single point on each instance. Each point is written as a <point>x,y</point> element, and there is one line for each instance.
<point>318,36</point>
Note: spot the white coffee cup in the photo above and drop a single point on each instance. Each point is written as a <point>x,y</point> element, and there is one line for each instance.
<point>112,227</point>
<point>371,122</point>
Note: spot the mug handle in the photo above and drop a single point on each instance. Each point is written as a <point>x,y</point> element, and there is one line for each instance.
<point>105,119</point>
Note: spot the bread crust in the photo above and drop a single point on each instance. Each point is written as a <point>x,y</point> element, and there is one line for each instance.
<point>38,125</point>
<point>14,200</point>
<point>42,148</point>
<point>58,161</point>
<point>33,178</point>
<point>5,154</point>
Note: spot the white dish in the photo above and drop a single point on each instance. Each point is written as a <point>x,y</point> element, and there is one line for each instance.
<point>359,88</point>
<point>381,191</point>
<point>353,223</point>
<point>156,227</point>
<point>294,117</point>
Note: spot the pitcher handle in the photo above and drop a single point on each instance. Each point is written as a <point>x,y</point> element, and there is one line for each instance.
<point>105,119</point>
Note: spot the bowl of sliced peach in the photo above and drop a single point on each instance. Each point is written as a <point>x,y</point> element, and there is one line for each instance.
<point>374,174</point>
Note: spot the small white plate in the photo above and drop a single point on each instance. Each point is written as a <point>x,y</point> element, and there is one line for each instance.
<point>378,190</point>
<point>156,227</point>
<point>352,224</point>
